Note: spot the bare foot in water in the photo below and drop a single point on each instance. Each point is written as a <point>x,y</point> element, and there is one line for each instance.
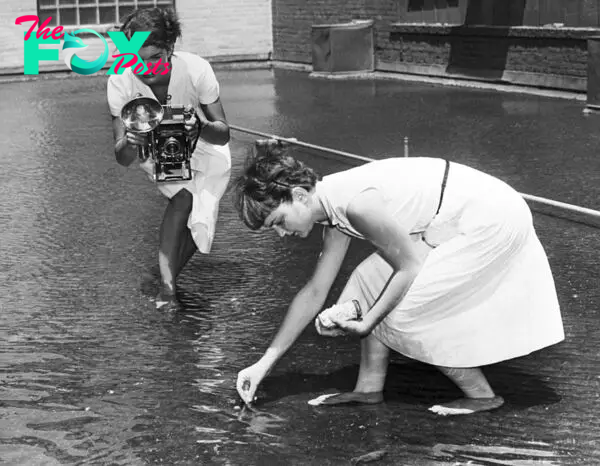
<point>167,302</point>
<point>467,406</point>
<point>349,397</point>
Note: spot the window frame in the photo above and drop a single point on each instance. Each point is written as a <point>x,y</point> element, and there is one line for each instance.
<point>58,5</point>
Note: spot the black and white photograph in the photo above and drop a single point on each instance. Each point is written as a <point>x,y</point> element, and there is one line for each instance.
<point>292,232</point>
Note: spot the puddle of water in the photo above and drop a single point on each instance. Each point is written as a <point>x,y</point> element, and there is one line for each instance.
<point>93,374</point>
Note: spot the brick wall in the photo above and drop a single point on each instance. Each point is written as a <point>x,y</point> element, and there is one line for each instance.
<point>554,58</point>
<point>212,28</point>
<point>292,21</point>
<point>530,56</point>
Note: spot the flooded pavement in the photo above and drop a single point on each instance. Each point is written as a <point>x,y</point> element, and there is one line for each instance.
<point>93,374</point>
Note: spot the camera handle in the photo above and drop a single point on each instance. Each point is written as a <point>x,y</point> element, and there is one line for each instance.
<point>143,153</point>
<point>188,113</point>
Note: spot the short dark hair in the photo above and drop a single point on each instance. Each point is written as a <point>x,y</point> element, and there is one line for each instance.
<point>267,181</point>
<point>163,24</point>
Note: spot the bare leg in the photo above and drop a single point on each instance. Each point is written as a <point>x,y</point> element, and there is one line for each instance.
<point>479,396</point>
<point>175,249</point>
<point>186,251</point>
<point>374,358</point>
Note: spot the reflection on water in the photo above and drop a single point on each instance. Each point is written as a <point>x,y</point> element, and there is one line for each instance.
<point>497,455</point>
<point>93,374</point>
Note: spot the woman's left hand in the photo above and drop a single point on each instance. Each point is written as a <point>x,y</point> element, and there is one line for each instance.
<point>361,328</point>
<point>192,128</point>
<point>194,125</point>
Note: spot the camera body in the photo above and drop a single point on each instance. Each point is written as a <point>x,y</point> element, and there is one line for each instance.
<point>170,147</point>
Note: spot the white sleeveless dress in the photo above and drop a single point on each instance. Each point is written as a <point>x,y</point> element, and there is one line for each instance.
<point>485,293</point>
<point>192,82</point>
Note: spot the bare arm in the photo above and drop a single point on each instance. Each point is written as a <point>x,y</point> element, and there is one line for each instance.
<point>310,299</point>
<point>213,123</point>
<point>368,215</point>
<point>304,307</point>
<point>125,149</point>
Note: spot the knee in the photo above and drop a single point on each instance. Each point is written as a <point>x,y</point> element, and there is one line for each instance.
<point>182,201</point>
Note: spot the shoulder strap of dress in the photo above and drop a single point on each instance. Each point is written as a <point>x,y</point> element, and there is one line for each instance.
<point>443,186</point>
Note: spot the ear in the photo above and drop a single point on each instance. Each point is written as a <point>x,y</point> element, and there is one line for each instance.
<point>299,194</point>
<point>170,52</point>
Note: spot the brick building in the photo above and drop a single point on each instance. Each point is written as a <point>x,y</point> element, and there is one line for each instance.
<point>526,42</point>
<point>542,43</point>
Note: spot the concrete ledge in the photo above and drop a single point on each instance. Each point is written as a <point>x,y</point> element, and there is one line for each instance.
<point>292,65</point>
<point>495,31</point>
<point>341,75</point>
<point>46,72</point>
<point>251,57</point>
<point>381,74</point>
<point>249,61</point>
<point>60,71</point>
<point>506,77</point>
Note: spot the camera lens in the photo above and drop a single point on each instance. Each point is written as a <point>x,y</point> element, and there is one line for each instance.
<point>172,146</point>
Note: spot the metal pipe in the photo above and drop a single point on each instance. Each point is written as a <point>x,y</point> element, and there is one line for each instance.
<point>594,214</point>
<point>302,144</point>
<point>562,205</point>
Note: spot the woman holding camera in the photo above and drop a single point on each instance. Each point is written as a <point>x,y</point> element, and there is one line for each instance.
<point>459,280</point>
<point>182,79</point>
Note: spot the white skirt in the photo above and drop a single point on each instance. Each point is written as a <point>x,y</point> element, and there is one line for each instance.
<point>485,293</point>
<point>211,170</point>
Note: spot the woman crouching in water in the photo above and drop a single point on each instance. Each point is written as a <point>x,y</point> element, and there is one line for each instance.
<point>182,79</point>
<point>459,280</point>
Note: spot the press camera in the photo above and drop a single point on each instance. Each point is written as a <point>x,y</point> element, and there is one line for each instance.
<point>169,146</point>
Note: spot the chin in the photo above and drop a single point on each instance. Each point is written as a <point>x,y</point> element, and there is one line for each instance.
<point>148,78</point>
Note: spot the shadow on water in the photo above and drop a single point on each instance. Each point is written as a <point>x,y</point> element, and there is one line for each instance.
<point>417,384</point>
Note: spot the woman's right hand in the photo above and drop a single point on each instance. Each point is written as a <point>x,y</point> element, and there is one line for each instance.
<point>136,139</point>
<point>249,379</point>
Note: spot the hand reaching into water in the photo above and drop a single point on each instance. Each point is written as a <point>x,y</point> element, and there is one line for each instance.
<point>248,381</point>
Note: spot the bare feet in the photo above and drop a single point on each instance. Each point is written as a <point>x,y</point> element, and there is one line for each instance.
<point>348,397</point>
<point>167,302</point>
<point>467,406</point>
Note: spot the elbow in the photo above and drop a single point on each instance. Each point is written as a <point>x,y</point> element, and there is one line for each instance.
<point>223,141</point>
<point>225,136</point>
<point>123,161</point>
<point>410,269</point>
<point>414,268</point>
<point>221,133</point>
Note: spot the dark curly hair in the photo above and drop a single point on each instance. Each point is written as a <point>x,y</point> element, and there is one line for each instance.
<point>163,24</point>
<point>267,181</point>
